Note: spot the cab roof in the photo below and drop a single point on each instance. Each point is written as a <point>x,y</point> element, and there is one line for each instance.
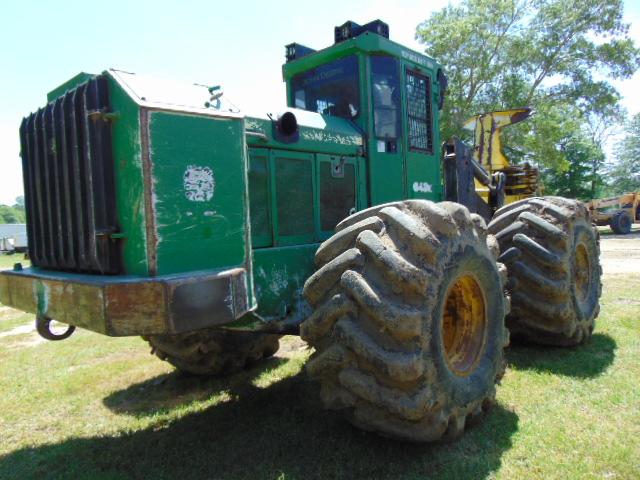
<point>366,41</point>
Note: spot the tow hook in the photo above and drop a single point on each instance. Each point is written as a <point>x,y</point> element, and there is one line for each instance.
<point>43,326</point>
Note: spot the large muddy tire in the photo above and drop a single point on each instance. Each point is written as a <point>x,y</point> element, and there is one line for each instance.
<point>408,319</point>
<point>552,252</point>
<point>213,351</point>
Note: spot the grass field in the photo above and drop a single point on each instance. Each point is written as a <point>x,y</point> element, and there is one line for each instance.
<point>7,261</point>
<point>103,408</point>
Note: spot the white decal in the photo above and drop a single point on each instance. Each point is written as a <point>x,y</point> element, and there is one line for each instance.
<point>253,125</point>
<point>324,136</point>
<point>423,187</point>
<point>198,183</point>
<point>414,57</point>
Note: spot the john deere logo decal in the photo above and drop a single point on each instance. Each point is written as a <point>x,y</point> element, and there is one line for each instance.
<point>422,187</point>
<point>198,183</point>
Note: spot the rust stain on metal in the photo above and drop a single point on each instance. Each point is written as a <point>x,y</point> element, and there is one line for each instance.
<point>70,303</point>
<point>164,305</point>
<point>136,311</point>
<point>147,174</point>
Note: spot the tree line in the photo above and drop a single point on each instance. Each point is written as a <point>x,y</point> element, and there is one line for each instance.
<point>558,57</point>
<point>13,213</point>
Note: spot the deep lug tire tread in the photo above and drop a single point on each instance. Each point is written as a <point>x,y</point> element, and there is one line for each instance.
<point>213,351</point>
<point>375,298</point>
<point>538,237</point>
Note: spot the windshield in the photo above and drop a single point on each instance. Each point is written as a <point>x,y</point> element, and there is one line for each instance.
<point>330,89</point>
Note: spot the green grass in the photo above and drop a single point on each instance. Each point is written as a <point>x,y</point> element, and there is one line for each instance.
<point>8,260</point>
<point>103,408</point>
<point>10,318</point>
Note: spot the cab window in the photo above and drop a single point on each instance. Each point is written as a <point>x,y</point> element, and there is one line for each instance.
<point>330,89</point>
<point>385,87</point>
<point>419,113</point>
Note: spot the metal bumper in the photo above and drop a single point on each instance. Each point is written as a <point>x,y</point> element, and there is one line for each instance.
<point>120,306</point>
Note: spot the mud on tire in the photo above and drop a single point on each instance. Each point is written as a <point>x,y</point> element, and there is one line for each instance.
<point>213,351</point>
<point>551,251</point>
<point>391,351</point>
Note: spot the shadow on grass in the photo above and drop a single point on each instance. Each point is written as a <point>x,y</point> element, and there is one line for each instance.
<point>276,432</point>
<point>166,392</point>
<point>584,361</point>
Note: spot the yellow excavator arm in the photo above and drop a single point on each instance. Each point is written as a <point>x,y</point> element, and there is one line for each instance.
<point>521,180</point>
<point>487,129</point>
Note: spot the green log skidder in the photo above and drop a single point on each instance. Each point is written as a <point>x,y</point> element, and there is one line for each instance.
<point>160,210</point>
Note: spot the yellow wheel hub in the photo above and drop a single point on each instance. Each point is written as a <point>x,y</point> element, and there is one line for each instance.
<point>464,325</point>
<point>582,272</point>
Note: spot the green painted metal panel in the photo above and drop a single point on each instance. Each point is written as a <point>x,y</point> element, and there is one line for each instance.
<point>423,165</point>
<point>386,167</point>
<point>130,194</point>
<point>199,191</point>
<point>293,175</point>
<point>260,198</point>
<point>337,191</point>
<point>307,195</point>
<point>279,274</point>
<point>317,133</point>
<point>70,84</point>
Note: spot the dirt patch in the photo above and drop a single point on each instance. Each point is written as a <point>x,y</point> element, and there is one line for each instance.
<point>620,253</point>
<point>25,341</point>
<point>21,330</point>
<point>291,346</point>
<point>7,312</point>
<point>21,337</point>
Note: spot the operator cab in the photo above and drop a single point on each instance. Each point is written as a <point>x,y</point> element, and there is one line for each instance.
<point>330,89</point>
<point>392,94</point>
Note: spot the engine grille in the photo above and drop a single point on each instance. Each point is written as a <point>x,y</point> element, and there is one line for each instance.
<point>69,182</point>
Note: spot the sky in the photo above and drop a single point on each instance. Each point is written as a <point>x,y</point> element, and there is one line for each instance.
<point>239,45</point>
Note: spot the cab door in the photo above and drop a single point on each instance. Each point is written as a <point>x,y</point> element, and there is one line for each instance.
<point>387,172</point>
<point>421,140</point>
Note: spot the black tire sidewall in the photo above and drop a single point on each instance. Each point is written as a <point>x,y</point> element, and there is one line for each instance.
<point>621,223</point>
<point>461,390</point>
<point>624,223</point>
<point>613,223</point>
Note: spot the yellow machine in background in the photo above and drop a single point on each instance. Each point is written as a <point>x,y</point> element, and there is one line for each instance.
<point>520,181</point>
<point>617,212</point>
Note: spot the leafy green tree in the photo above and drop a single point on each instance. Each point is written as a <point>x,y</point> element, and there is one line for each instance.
<point>576,180</point>
<point>540,53</point>
<point>624,175</point>
<point>11,215</point>
<point>472,40</point>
